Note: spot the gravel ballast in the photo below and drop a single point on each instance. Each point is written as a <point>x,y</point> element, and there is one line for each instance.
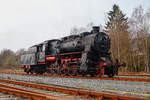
<point>123,87</point>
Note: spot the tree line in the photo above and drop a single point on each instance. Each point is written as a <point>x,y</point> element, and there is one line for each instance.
<point>10,59</point>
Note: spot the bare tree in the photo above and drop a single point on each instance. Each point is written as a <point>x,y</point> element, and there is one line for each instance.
<point>117,27</point>
<point>10,59</point>
<point>140,30</point>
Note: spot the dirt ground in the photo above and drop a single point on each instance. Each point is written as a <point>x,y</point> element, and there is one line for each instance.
<point>120,72</point>
<point>133,73</point>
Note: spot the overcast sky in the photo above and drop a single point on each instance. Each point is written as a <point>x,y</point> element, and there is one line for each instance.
<point>24,23</point>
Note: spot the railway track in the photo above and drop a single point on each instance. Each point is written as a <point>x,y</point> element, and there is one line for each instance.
<point>26,93</point>
<point>71,91</point>
<point>133,79</point>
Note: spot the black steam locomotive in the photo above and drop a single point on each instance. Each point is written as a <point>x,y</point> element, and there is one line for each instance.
<point>86,53</point>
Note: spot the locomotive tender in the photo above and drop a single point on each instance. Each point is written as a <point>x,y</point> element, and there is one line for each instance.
<point>86,53</point>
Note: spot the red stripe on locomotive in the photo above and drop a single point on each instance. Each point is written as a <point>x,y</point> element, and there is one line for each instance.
<point>50,58</point>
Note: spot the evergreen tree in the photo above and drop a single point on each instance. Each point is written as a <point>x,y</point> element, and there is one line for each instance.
<point>117,28</point>
<point>116,18</point>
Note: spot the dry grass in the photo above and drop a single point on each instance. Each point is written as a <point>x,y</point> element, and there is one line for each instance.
<point>12,70</point>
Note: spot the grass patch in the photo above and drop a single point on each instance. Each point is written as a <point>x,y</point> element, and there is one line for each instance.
<point>85,87</point>
<point>110,88</point>
<point>148,97</point>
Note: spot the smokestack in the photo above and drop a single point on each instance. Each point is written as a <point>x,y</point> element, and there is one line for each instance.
<point>96,29</point>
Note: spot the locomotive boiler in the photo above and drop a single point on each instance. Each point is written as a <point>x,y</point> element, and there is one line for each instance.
<point>86,53</point>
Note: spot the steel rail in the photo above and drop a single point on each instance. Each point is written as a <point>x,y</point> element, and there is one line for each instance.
<point>74,92</point>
